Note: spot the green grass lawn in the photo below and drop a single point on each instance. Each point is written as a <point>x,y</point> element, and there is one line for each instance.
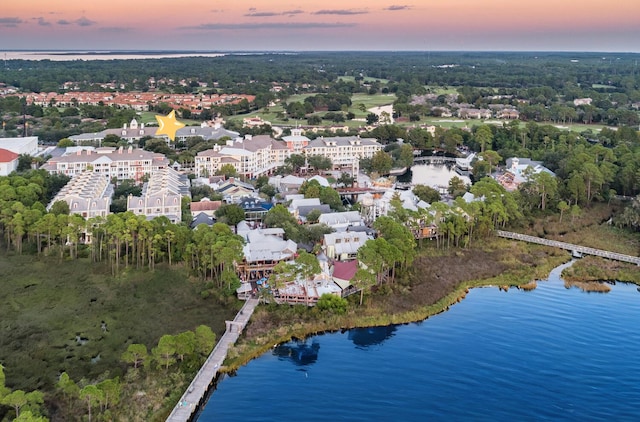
<point>601,86</point>
<point>47,305</point>
<point>370,101</point>
<point>580,127</point>
<point>441,90</point>
<point>450,122</point>
<point>298,98</point>
<point>270,116</point>
<point>366,79</point>
<point>149,118</point>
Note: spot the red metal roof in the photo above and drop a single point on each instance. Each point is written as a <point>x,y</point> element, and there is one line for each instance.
<point>345,270</point>
<point>7,156</point>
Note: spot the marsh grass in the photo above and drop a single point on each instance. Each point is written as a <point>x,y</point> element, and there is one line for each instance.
<point>588,286</point>
<point>532,285</point>
<point>53,313</point>
<point>589,229</point>
<point>592,268</point>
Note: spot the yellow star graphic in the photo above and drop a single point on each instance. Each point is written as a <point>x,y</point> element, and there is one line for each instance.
<point>168,125</point>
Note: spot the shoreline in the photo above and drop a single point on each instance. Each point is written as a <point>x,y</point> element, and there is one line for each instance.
<point>251,347</point>
<point>301,330</point>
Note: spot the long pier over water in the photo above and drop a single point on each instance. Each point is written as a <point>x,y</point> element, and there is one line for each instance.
<point>197,390</point>
<point>570,247</point>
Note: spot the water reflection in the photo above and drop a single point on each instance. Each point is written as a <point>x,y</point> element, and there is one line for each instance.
<point>432,175</point>
<point>298,352</point>
<point>366,337</point>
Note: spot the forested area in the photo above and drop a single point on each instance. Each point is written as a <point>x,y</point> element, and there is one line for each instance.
<point>542,87</point>
<point>507,70</point>
<point>597,165</point>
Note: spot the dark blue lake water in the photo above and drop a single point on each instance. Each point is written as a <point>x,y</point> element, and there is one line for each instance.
<point>550,354</point>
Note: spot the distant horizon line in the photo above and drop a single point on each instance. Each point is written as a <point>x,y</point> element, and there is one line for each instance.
<point>120,51</point>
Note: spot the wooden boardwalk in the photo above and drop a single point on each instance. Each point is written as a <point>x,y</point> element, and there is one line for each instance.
<point>570,247</point>
<point>197,390</point>
<point>434,159</point>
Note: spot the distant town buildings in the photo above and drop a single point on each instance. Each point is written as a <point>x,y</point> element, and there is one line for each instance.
<point>253,122</point>
<point>139,101</point>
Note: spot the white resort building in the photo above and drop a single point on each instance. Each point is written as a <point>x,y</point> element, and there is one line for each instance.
<point>130,163</point>
<point>252,156</point>
<point>88,194</point>
<point>344,152</point>
<point>161,196</point>
<point>134,132</point>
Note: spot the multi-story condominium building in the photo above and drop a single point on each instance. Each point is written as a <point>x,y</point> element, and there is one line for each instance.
<point>296,141</point>
<point>88,194</point>
<point>252,156</point>
<point>161,196</point>
<point>135,131</point>
<point>132,132</point>
<point>122,163</point>
<point>345,152</point>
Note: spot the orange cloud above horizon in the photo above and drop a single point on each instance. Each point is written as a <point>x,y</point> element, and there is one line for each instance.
<point>283,24</point>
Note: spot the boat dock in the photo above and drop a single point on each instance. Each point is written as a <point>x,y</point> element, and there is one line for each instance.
<point>576,250</point>
<point>197,390</point>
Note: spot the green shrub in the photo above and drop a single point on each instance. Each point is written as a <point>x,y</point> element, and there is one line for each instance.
<point>332,303</point>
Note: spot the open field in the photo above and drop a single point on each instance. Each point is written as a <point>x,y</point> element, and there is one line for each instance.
<point>366,79</point>
<point>269,116</point>
<point>53,313</point>
<point>601,86</point>
<point>272,115</point>
<point>370,101</point>
<point>149,118</point>
<point>451,122</point>
<point>441,90</point>
<point>298,98</point>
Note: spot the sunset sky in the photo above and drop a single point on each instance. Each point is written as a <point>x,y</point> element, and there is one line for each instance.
<point>223,25</point>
